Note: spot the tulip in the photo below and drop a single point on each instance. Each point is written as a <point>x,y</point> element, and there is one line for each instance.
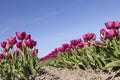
<point>80,45</point>
<point>30,43</point>
<point>60,49</point>
<point>12,40</point>
<point>2,57</point>
<point>43,58</point>
<point>102,34</point>
<point>19,44</point>
<point>78,41</point>
<point>34,43</point>
<point>89,36</point>
<point>103,31</point>
<point>28,36</point>
<point>98,43</point>
<point>110,34</point>
<point>3,44</point>
<point>109,25</point>
<point>52,54</point>
<point>66,47</point>
<point>116,24</point>
<point>35,51</point>
<point>112,25</point>
<point>73,42</point>
<point>20,35</point>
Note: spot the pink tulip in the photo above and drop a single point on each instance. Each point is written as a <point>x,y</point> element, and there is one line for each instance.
<point>109,25</point>
<point>89,36</point>
<point>34,43</point>
<point>28,36</point>
<point>12,40</point>
<point>2,57</point>
<point>80,45</point>
<point>60,49</point>
<point>75,42</point>
<point>35,51</point>
<point>43,58</point>
<point>19,44</point>
<point>110,34</point>
<point>103,31</point>
<point>30,43</point>
<point>116,24</point>
<point>102,34</point>
<point>20,35</point>
<point>66,47</point>
<point>98,43</point>
<point>112,25</point>
<point>3,44</point>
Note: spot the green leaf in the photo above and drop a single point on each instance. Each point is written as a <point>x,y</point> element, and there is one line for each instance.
<point>113,64</point>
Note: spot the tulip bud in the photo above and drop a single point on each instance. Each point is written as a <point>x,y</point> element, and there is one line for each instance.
<point>2,57</point>
<point>35,51</point>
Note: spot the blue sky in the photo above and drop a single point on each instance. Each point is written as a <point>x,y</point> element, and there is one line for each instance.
<point>54,22</point>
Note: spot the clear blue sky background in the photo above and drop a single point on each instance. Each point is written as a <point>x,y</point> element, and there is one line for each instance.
<point>54,22</point>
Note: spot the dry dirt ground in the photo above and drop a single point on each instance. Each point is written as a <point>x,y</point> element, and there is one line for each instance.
<point>53,73</point>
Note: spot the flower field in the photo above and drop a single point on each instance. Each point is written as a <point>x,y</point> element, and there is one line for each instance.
<point>19,60</point>
<point>87,52</point>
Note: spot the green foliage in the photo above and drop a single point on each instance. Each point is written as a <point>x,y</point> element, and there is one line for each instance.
<point>96,57</point>
<point>20,66</point>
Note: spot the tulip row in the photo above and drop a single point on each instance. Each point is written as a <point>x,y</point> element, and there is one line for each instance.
<point>89,53</point>
<point>18,59</point>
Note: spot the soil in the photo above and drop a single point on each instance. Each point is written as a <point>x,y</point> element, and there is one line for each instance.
<point>53,73</point>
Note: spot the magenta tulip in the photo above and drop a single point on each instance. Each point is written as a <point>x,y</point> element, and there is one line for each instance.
<point>28,36</point>
<point>66,47</point>
<point>3,44</point>
<point>60,49</point>
<point>80,45</point>
<point>73,42</point>
<point>35,51</point>
<point>19,44</point>
<point>116,25</point>
<point>102,32</point>
<point>89,36</point>
<point>2,57</point>
<point>112,25</point>
<point>34,43</point>
<point>109,25</point>
<point>98,43</point>
<point>30,43</point>
<point>12,40</point>
<point>20,35</point>
<point>110,34</point>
